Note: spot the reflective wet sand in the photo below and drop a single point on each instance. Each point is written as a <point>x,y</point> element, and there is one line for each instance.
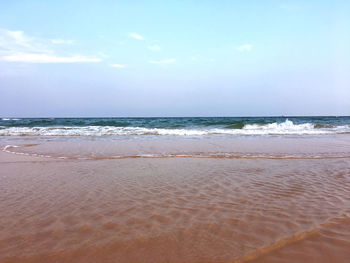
<point>174,209</point>
<point>110,147</point>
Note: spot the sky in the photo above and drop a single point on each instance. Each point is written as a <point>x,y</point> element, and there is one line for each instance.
<point>174,58</point>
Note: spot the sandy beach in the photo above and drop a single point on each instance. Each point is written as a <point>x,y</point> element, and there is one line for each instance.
<point>174,209</point>
<point>174,131</point>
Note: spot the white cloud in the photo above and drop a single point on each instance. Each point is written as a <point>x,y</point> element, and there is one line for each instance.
<point>15,46</point>
<point>118,65</point>
<point>46,58</point>
<point>163,61</point>
<point>244,48</point>
<point>136,36</point>
<point>154,48</point>
<point>16,37</point>
<point>59,41</point>
<point>18,41</point>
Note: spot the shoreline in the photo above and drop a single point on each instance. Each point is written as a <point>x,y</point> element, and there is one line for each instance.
<point>99,148</point>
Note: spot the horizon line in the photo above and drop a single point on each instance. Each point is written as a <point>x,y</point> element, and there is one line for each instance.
<point>247,116</point>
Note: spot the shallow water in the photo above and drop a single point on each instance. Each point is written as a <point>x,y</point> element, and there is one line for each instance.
<point>255,147</point>
<point>175,209</point>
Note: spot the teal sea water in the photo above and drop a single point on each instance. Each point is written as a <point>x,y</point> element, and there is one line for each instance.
<point>180,126</point>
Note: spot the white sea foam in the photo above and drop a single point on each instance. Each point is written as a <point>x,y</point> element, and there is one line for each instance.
<point>8,119</point>
<point>284,128</point>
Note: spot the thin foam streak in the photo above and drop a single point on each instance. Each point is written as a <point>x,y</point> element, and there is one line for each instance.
<point>163,156</point>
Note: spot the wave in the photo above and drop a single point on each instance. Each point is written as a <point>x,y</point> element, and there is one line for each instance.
<point>9,119</point>
<point>284,128</point>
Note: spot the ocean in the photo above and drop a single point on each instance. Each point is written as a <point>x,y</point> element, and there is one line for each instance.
<point>184,126</point>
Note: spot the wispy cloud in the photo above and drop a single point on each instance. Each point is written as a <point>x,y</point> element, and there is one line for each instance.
<point>163,61</point>
<point>118,65</point>
<point>154,48</point>
<point>47,58</point>
<point>244,48</point>
<point>136,36</point>
<point>16,46</point>
<point>18,41</point>
<point>60,41</point>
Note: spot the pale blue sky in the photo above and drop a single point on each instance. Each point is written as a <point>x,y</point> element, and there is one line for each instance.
<point>174,58</point>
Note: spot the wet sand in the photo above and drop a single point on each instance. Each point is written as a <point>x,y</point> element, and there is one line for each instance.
<point>175,209</point>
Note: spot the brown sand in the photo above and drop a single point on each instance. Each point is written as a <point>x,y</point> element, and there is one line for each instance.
<point>174,209</point>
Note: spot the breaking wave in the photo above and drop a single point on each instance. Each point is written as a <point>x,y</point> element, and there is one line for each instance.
<point>284,128</point>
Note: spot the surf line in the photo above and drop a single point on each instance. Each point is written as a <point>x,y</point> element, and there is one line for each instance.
<point>8,148</point>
